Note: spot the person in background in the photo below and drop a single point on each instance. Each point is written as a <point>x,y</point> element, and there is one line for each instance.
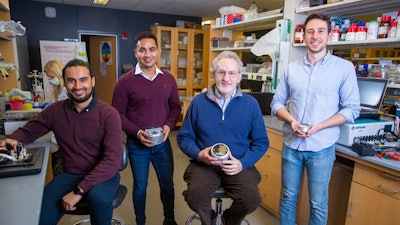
<point>316,94</point>
<point>147,97</point>
<point>88,131</point>
<point>53,70</point>
<point>223,114</point>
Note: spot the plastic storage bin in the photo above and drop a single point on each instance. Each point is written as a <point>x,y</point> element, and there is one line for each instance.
<point>17,104</point>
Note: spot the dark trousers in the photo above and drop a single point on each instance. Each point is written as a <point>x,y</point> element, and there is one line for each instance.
<point>99,197</point>
<point>202,181</point>
<point>161,157</point>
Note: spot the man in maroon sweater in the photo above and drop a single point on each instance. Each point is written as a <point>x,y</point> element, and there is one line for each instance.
<point>88,131</point>
<point>148,97</point>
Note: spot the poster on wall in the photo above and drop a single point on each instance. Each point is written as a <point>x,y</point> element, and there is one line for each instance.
<point>62,51</point>
<point>105,49</point>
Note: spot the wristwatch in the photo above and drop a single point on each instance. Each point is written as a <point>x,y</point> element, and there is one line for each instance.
<point>77,191</point>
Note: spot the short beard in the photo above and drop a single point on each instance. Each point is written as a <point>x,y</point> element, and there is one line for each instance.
<point>81,100</point>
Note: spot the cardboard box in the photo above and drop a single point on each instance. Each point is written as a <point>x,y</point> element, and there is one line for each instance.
<point>184,24</point>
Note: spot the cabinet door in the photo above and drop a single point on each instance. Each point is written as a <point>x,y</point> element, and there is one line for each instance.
<point>369,207</point>
<point>166,57</point>
<point>183,62</point>
<point>199,70</point>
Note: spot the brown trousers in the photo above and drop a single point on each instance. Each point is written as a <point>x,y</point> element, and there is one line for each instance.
<point>202,181</point>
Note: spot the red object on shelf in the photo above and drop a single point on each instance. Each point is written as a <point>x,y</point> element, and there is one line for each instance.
<point>17,104</point>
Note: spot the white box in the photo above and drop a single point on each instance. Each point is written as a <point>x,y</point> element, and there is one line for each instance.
<point>362,128</point>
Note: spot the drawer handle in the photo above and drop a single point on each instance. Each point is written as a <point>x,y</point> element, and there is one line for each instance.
<point>386,188</point>
<point>390,176</point>
<point>352,204</point>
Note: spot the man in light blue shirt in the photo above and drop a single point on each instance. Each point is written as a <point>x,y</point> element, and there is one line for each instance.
<point>320,91</point>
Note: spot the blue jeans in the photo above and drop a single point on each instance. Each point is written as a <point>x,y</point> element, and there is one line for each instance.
<point>319,167</point>
<point>161,157</point>
<point>100,198</point>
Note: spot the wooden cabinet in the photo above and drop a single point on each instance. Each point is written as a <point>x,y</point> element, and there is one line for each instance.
<point>374,197</point>
<point>6,51</point>
<point>269,167</point>
<point>184,52</point>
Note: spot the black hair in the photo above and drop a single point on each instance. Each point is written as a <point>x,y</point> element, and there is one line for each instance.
<point>145,34</point>
<point>77,62</point>
<point>323,17</point>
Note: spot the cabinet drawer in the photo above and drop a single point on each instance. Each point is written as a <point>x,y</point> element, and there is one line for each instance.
<point>270,198</point>
<point>378,180</point>
<point>270,160</point>
<point>271,178</point>
<point>275,139</point>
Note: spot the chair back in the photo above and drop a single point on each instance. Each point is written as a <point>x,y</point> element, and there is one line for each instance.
<point>124,158</point>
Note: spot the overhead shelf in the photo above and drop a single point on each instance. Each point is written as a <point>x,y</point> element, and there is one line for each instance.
<point>5,37</point>
<point>4,7</point>
<point>353,7</point>
<point>231,49</point>
<point>377,43</point>
<point>262,23</point>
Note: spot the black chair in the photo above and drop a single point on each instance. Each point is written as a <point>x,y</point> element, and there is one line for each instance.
<point>82,208</point>
<point>219,194</point>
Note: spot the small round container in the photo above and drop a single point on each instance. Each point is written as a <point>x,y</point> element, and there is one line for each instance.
<point>304,127</point>
<point>156,134</point>
<point>220,151</point>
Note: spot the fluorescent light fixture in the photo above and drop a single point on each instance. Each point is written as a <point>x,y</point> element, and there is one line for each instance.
<point>100,2</point>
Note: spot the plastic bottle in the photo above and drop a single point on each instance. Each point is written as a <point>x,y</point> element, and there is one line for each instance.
<point>351,33</point>
<point>392,30</point>
<point>335,35</point>
<point>398,25</point>
<point>361,33</point>
<point>253,11</point>
<point>298,33</point>
<point>372,32</point>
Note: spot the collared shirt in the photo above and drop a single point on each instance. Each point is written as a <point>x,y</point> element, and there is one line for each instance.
<point>89,107</point>
<point>139,71</point>
<point>313,94</point>
<point>222,101</point>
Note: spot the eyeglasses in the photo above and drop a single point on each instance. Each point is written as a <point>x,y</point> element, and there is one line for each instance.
<point>221,73</point>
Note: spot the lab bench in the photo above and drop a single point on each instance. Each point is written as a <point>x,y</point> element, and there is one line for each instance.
<point>362,188</point>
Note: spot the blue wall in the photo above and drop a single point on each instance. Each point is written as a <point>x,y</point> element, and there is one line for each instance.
<point>72,19</point>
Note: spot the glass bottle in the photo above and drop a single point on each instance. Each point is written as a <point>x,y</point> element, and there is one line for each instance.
<point>383,29</point>
<point>298,33</point>
<point>253,11</point>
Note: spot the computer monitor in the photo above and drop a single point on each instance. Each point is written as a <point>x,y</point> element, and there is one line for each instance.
<point>372,92</point>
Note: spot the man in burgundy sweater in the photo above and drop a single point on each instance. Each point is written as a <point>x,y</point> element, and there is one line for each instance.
<point>148,97</point>
<point>88,131</point>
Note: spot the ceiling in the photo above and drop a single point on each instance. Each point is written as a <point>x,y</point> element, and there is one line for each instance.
<point>207,9</point>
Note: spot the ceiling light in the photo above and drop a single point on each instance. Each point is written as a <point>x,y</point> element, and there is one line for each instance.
<point>100,2</point>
